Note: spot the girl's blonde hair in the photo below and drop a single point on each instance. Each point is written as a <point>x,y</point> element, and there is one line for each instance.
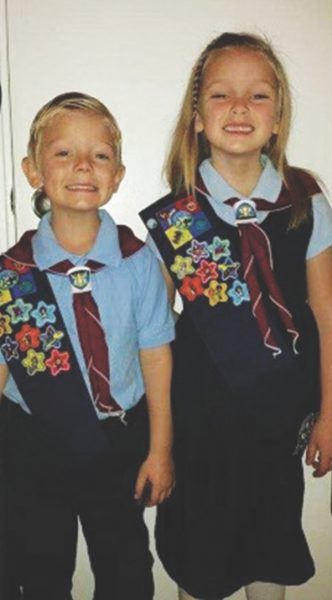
<point>62,104</point>
<point>188,148</point>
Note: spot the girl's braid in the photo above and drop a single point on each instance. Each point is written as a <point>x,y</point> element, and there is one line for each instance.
<point>222,41</point>
<point>198,69</point>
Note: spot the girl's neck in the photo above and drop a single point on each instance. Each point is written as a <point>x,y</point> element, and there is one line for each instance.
<point>76,233</point>
<point>241,174</point>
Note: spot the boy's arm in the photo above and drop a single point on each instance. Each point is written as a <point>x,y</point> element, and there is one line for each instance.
<point>319,279</point>
<point>157,471</point>
<point>3,378</point>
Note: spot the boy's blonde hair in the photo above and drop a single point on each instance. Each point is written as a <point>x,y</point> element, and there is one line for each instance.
<point>188,148</point>
<point>62,104</point>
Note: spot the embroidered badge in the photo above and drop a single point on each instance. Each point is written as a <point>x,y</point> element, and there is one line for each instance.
<point>182,266</point>
<point>5,297</point>
<point>200,224</point>
<point>8,279</point>
<point>178,237</point>
<point>9,349</point>
<point>58,361</point>
<point>216,292</point>
<point>182,221</point>
<point>25,285</point>
<point>19,311</point>
<point>44,313</point>
<point>5,325</point>
<point>15,266</point>
<point>191,288</point>
<point>51,338</point>
<point>34,362</point>
<point>80,279</point>
<point>198,250</point>
<point>239,293</point>
<point>219,248</point>
<point>152,224</point>
<point>229,269</point>
<point>207,270</point>
<point>28,337</point>
<point>245,212</point>
<point>188,204</point>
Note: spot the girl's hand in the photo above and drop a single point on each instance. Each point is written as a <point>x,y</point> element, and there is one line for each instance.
<point>319,450</point>
<point>156,479</point>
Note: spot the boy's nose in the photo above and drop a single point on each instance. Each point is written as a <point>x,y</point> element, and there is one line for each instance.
<point>83,163</point>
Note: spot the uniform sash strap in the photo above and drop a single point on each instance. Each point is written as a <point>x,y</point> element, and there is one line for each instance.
<point>91,333</point>
<point>257,263</point>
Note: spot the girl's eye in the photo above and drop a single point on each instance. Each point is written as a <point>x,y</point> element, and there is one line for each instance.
<point>219,96</point>
<point>62,153</point>
<point>102,156</point>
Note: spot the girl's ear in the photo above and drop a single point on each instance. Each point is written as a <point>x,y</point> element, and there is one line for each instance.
<point>276,128</point>
<point>199,126</point>
<point>32,172</point>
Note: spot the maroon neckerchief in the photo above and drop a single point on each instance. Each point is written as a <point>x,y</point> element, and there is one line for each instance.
<point>92,336</point>
<point>256,255</point>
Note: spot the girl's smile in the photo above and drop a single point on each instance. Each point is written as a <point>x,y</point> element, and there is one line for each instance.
<point>238,108</point>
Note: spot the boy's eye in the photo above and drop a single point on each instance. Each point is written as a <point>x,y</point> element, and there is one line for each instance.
<point>260,96</point>
<point>102,156</point>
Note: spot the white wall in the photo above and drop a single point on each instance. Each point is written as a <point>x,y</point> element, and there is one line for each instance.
<point>136,56</point>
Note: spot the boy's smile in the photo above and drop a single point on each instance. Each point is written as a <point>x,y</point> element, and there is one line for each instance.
<point>76,162</point>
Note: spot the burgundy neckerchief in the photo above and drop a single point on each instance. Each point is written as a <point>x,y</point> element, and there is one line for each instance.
<point>257,256</point>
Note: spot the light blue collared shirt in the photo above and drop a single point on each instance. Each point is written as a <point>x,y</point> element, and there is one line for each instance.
<point>268,187</point>
<point>132,301</point>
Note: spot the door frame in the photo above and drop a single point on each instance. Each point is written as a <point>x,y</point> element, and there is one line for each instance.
<point>8,225</point>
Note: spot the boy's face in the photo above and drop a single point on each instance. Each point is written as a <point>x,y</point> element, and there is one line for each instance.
<point>76,167</point>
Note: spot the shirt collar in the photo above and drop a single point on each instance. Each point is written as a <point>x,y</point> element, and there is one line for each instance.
<point>268,186</point>
<point>47,251</point>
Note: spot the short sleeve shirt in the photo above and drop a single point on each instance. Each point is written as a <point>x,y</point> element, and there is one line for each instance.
<point>131,297</point>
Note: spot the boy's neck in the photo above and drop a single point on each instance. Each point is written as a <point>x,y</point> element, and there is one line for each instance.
<point>76,233</point>
<point>241,174</point>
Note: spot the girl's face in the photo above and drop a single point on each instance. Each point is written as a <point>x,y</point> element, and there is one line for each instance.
<point>76,163</point>
<point>238,109</point>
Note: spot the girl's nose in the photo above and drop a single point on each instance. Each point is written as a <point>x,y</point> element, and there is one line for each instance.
<point>239,106</point>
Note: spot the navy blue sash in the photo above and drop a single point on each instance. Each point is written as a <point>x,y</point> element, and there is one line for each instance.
<point>202,254</point>
<point>41,359</point>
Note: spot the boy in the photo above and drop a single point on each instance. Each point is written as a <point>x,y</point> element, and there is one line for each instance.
<point>84,329</point>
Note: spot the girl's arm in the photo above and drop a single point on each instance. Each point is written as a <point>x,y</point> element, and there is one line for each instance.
<point>157,471</point>
<point>169,284</point>
<point>319,280</point>
<point>3,378</point>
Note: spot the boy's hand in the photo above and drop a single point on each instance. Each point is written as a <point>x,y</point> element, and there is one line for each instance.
<point>155,479</point>
<point>319,451</point>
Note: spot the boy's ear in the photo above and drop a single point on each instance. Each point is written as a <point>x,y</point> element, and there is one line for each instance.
<point>32,172</point>
<point>118,177</point>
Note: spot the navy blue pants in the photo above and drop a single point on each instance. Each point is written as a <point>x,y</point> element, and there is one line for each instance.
<point>44,503</point>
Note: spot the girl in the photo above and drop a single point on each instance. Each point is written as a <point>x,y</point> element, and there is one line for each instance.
<point>247,240</point>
